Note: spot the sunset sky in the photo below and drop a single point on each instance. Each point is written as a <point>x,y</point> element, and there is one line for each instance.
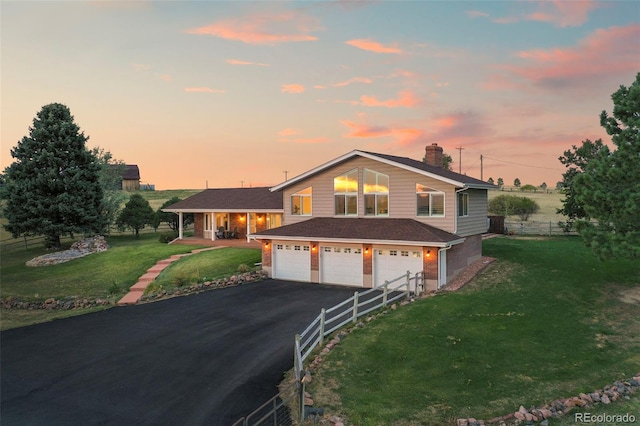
<point>236,93</point>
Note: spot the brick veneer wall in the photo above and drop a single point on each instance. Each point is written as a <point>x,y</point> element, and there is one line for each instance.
<point>198,225</point>
<point>266,253</point>
<point>462,255</point>
<point>367,265</point>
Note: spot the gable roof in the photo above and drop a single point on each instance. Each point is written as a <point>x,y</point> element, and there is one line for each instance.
<point>453,178</point>
<point>259,199</point>
<point>373,230</point>
<point>131,172</point>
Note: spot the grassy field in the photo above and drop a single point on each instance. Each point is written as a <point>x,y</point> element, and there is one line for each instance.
<point>548,203</point>
<point>545,321</point>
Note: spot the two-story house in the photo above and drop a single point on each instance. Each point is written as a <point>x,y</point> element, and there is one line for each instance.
<point>364,218</point>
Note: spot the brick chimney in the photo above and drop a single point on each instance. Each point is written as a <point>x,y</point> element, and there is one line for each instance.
<point>433,155</point>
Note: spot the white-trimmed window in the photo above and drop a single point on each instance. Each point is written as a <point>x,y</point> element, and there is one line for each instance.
<point>429,202</point>
<point>301,203</point>
<point>376,193</point>
<point>345,189</point>
<point>463,204</point>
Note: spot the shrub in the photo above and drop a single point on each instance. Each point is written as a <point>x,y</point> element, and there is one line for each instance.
<point>181,280</point>
<point>507,205</point>
<point>167,237</point>
<point>243,268</point>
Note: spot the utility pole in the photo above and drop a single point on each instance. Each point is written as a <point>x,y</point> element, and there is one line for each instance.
<point>286,174</point>
<point>481,170</point>
<point>460,159</point>
<point>241,184</point>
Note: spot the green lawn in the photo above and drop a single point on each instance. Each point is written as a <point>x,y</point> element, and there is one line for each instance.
<point>543,322</point>
<point>95,275</point>
<point>208,265</point>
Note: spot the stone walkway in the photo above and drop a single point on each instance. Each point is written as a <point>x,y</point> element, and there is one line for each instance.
<point>137,290</point>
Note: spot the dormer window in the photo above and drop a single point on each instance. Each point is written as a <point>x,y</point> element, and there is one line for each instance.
<point>301,202</point>
<point>429,202</point>
<point>345,189</point>
<point>376,193</point>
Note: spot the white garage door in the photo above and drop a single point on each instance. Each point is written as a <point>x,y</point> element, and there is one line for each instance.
<point>390,263</point>
<point>341,265</point>
<point>292,261</point>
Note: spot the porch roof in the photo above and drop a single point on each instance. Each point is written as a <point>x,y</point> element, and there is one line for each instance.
<point>365,230</point>
<point>259,199</point>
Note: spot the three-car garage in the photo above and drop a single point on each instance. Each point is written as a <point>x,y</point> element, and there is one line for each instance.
<point>343,264</point>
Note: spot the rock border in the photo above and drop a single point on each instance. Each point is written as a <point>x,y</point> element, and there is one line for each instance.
<point>233,280</point>
<point>80,248</point>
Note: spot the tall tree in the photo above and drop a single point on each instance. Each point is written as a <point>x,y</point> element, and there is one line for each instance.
<point>137,213</point>
<point>110,179</point>
<point>52,188</point>
<point>575,160</point>
<point>516,182</point>
<point>608,188</point>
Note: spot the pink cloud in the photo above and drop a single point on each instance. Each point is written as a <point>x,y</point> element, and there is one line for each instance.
<point>605,53</point>
<point>288,132</point>
<point>292,88</point>
<point>203,90</point>
<point>239,62</point>
<point>287,26</point>
<point>405,99</point>
<point>563,13</point>
<point>141,67</point>
<point>372,46</point>
<point>285,137</point>
<point>353,80</point>
<point>401,135</point>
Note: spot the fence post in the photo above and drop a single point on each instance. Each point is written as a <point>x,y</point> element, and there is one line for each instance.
<point>355,307</point>
<point>322,315</point>
<point>296,356</point>
<point>549,228</point>
<point>384,293</point>
<point>409,284</point>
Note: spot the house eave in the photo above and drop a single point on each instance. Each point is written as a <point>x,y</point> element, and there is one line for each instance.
<point>439,244</point>
<point>223,210</point>
<point>367,155</point>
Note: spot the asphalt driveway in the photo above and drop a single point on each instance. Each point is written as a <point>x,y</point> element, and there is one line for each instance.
<point>205,359</point>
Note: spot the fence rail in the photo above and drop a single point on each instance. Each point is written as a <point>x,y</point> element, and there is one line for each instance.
<point>328,321</point>
<point>534,228</point>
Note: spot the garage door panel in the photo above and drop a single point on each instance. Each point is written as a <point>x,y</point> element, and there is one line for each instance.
<point>391,262</point>
<point>341,265</point>
<point>292,261</point>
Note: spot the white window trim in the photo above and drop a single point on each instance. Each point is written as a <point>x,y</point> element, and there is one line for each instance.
<point>346,194</point>
<point>302,196</point>
<point>465,198</point>
<point>376,193</point>
<point>431,192</point>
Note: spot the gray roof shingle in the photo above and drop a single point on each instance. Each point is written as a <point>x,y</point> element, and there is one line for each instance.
<point>362,229</point>
<point>223,199</point>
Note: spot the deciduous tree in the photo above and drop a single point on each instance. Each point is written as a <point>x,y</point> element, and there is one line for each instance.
<point>137,213</point>
<point>52,187</point>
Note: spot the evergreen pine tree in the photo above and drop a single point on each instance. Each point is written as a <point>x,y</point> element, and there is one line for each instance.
<point>52,188</point>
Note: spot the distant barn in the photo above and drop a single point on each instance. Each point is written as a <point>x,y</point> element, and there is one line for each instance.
<point>131,178</point>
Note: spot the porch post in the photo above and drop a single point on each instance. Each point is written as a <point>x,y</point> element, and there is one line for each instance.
<point>180,225</point>
<point>248,225</point>
<point>213,226</point>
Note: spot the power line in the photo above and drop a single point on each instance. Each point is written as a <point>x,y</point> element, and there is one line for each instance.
<point>523,165</point>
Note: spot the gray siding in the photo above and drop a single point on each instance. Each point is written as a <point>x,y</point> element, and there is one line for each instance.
<point>476,222</point>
